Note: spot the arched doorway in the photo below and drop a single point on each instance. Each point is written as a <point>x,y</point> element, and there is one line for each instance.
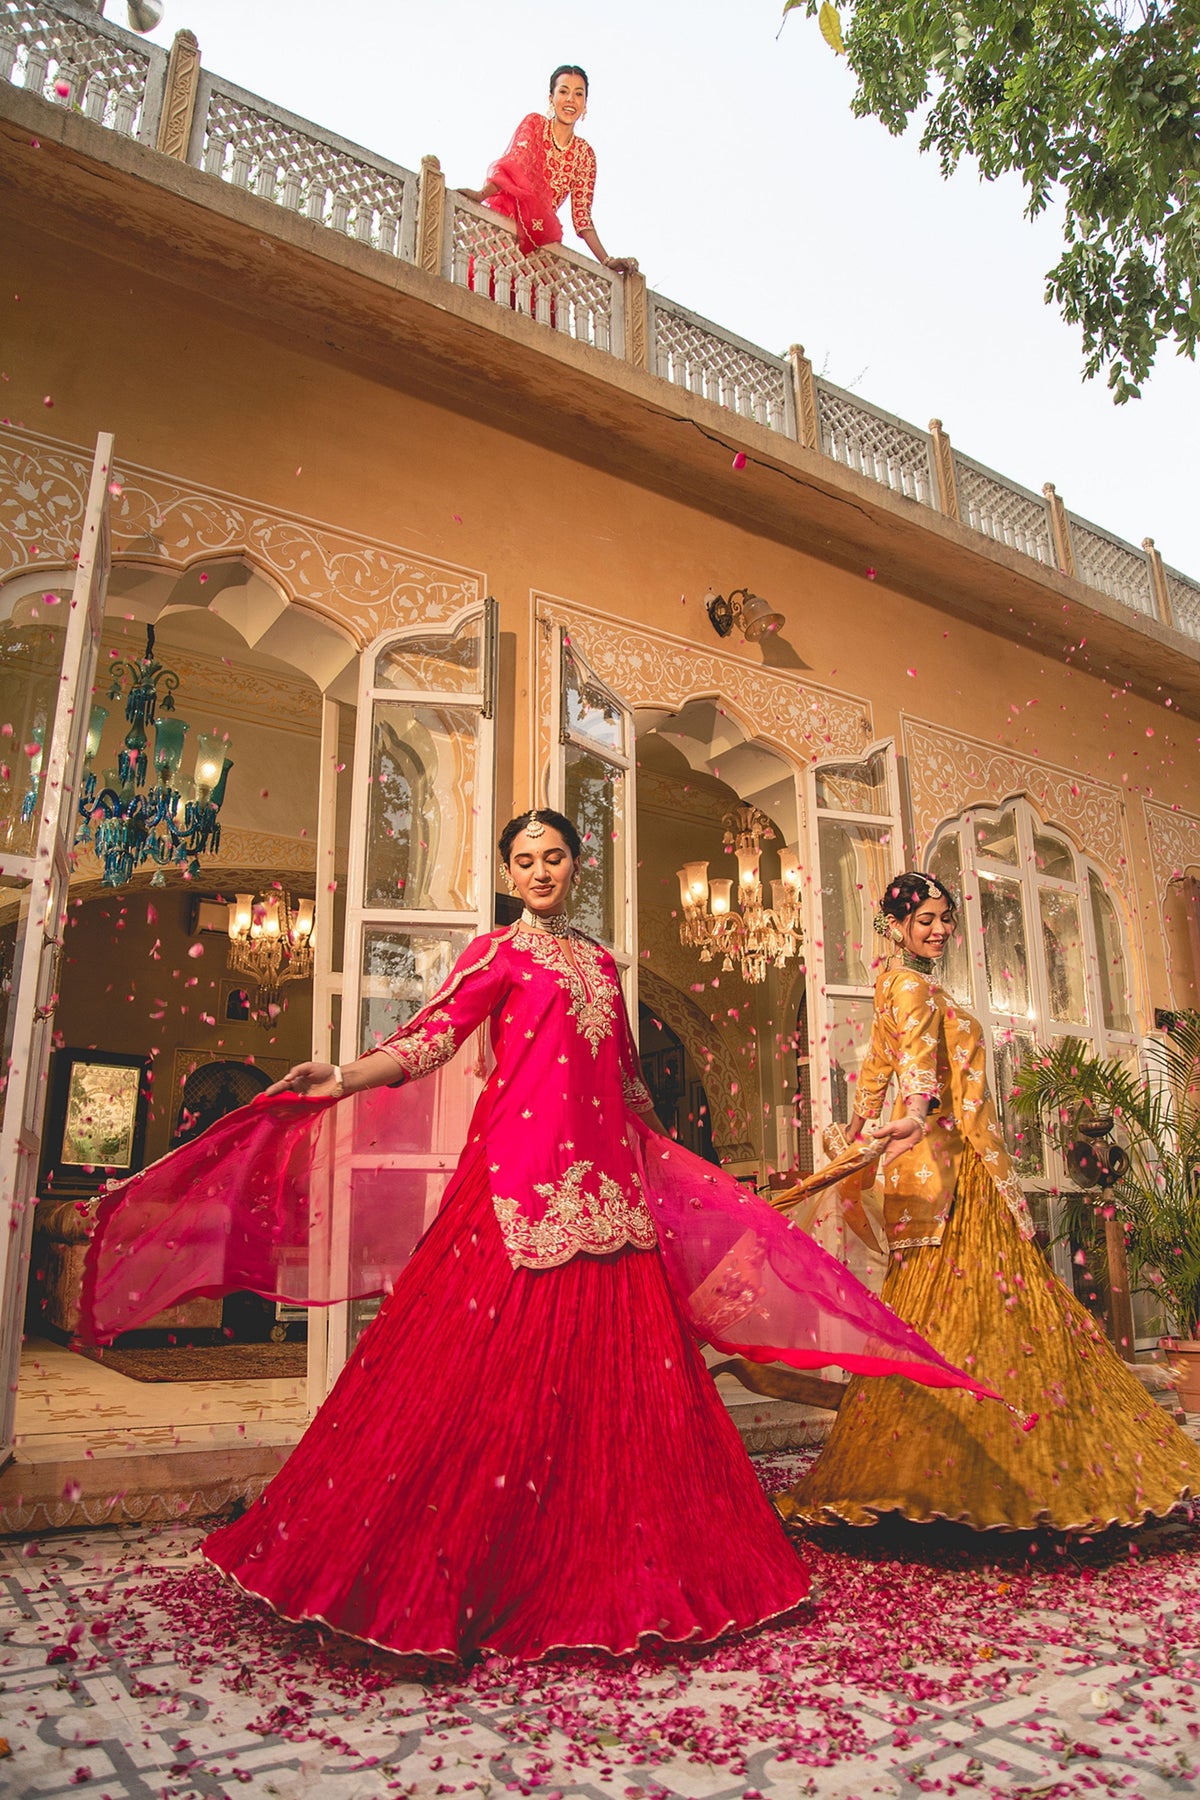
<point>694,766</point>
<point>143,972</point>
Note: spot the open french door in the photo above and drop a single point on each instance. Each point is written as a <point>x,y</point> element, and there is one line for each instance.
<point>419,886</point>
<point>592,772</point>
<point>856,846</point>
<point>35,872</point>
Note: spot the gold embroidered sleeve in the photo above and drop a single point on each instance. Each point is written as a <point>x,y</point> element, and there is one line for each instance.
<point>424,1050</point>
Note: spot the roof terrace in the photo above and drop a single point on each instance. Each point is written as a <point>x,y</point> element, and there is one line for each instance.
<point>71,59</point>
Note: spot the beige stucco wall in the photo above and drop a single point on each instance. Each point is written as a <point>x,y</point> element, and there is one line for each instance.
<point>201,393</point>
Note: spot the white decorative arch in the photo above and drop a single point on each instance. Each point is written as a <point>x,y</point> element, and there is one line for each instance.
<point>657,670</point>
<point>949,772</point>
<point>164,522</point>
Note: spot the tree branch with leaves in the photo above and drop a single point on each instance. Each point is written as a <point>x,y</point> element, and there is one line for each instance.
<point>1096,105</point>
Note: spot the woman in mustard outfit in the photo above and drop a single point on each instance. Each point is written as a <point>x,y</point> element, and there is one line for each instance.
<point>965,1271</point>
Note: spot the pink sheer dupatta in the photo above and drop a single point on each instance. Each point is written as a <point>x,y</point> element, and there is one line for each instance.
<point>525,196</point>
<point>249,1205</point>
<point>752,1283</point>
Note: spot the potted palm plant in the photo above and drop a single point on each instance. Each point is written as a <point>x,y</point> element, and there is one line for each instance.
<point>1157,1196</point>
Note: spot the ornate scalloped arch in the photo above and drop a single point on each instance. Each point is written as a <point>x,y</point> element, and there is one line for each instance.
<point>161,521</point>
<point>949,773</point>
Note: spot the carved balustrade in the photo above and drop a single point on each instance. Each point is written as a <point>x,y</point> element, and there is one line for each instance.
<point>569,293</point>
<point>110,75</point>
<point>695,354</point>
<point>1003,511</point>
<point>876,444</point>
<point>1111,567</point>
<point>119,81</point>
<point>277,156</point>
<point>1184,597</point>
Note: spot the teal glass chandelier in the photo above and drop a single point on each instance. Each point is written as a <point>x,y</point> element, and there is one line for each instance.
<point>129,823</point>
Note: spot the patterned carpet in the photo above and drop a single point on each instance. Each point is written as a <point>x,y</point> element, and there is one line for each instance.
<point>930,1663</point>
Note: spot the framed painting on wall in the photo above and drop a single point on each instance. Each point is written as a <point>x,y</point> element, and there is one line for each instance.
<point>95,1121</point>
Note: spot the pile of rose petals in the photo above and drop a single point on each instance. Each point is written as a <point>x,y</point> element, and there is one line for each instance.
<point>909,1630</point>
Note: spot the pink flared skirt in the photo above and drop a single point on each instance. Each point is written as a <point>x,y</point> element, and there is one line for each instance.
<point>516,1460</point>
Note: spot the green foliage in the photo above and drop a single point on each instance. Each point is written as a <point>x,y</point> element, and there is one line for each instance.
<point>1093,102</point>
<point>1157,1118</point>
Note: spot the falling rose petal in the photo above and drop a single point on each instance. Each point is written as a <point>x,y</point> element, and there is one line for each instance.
<point>115,489</point>
<point>62,89</point>
<point>195,949</point>
<point>47,401</point>
<point>870,574</point>
<point>911,672</point>
<point>739,461</point>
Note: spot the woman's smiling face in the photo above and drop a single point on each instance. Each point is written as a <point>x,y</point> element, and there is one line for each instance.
<point>568,97</point>
<point>929,927</point>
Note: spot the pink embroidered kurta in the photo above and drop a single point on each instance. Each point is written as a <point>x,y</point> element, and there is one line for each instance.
<point>534,177</point>
<point>935,1049</point>
<point>561,1164</point>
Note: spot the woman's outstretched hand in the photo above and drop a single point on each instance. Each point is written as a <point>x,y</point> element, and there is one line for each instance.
<point>622,265</point>
<point>315,1079</point>
<point>896,1137</point>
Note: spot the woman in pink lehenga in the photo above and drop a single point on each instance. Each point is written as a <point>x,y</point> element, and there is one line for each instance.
<point>545,161</point>
<point>525,1450</point>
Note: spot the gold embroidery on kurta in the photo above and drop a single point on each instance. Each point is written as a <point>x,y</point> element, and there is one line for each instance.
<point>575,1222</point>
<point>580,972</point>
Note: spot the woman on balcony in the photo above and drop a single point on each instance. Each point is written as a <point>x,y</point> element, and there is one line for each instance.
<point>545,162</point>
<point>966,1273</point>
<point>525,1449</point>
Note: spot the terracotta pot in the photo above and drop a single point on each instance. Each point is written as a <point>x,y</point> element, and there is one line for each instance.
<point>1186,1354</point>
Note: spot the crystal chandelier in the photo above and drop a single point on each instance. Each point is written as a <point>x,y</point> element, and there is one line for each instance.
<point>128,823</point>
<point>271,942</point>
<point>755,935</point>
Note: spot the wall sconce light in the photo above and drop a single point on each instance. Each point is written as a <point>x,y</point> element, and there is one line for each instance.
<point>754,614</point>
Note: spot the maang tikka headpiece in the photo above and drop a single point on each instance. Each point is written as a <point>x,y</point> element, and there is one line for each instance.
<point>534,828</point>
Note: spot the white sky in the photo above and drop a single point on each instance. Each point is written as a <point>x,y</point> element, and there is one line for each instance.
<point>730,165</point>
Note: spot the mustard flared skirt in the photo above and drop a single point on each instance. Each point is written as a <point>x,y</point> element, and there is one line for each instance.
<point>1102,1453</point>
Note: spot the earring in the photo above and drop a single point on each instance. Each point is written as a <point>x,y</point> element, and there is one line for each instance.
<point>509,883</point>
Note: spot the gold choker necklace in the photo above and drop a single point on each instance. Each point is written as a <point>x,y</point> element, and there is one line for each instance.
<point>558,924</point>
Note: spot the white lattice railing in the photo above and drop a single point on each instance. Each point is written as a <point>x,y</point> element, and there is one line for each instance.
<point>282,158</point>
<point>111,77</point>
<point>1002,511</point>
<point>694,353</point>
<point>570,293</point>
<point>874,443</point>
<point>1185,602</point>
<point>1114,568</point>
<point>66,53</point>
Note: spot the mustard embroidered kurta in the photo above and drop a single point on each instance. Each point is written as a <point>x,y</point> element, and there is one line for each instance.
<point>935,1049</point>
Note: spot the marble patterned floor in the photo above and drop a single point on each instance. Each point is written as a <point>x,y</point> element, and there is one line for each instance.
<point>68,1405</point>
<point>928,1663</point>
